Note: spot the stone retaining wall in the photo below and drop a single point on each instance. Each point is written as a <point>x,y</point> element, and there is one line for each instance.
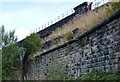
<point>98,48</point>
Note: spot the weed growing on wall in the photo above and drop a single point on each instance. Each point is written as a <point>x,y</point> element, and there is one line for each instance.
<point>56,71</point>
<point>68,36</point>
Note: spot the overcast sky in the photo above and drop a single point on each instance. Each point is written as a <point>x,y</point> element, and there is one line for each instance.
<point>26,15</point>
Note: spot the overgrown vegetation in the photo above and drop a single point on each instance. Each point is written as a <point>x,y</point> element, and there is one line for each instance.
<point>11,51</point>
<point>85,21</point>
<point>10,54</point>
<point>32,43</point>
<point>96,74</point>
<point>114,6</point>
<point>56,73</point>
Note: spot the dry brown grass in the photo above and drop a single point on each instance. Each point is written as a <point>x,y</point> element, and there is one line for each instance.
<point>84,22</point>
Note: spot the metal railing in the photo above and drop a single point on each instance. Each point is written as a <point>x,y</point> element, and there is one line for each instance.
<point>58,18</point>
<point>96,3</point>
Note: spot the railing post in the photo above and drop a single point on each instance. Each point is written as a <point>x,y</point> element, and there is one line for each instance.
<point>51,21</point>
<point>42,27</point>
<point>48,23</point>
<point>39,28</point>
<point>45,26</point>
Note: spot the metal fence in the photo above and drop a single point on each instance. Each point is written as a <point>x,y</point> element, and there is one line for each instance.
<point>96,3</point>
<point>58,18</point>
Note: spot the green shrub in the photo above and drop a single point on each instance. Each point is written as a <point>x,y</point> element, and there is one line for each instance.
<point>10,60</point>
<point>32,43</point>
<point>110,76</point>
<point>10,53</point>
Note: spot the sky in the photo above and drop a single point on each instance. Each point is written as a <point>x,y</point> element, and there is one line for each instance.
<point>24,16</point>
